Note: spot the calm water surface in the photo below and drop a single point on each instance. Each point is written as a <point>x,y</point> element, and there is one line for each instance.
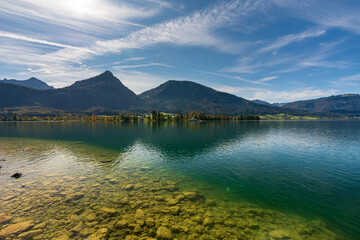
<point>249,180</point>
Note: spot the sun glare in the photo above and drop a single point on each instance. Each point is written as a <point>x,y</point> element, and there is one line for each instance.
<point>82,8</point>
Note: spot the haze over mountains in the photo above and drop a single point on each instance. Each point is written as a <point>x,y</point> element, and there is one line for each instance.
<point>106,93</point>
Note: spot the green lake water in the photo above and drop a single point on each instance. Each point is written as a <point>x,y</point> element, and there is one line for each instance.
<point>212,180</point>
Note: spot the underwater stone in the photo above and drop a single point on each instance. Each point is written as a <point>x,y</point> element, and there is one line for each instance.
<point>108,211</point>
<point>193,196</point>
<point>279,234</point>
<point>145,169</point>
<point>160,198</point>
<point>255,212</point>
<point>150,222</point>
<point>175,229</point>
<point>254,225</point>
<point>175,210</point>
<point>197,219</point>
<point>171,188</point>
<point>122,224</point>
<point>124,200</point>
<point>4,219</point>
<point>139,214</point>
<point>210,203</point>
<point>172,201</point>
<point>184,229</point>
<point>91,217</point>
<point>199,229</point>
<point>241,223</point>
<point>30,234</point>
<point>77,228</point>
<point>40,225</point>
<point>100,234</point>
<point>129,187</point>
<point>220,233</point>
<point>230,223</point>
<point>74,197</point>
<point>208,222</point>
<point>16,175</point>
<point>137,228</point>
<point>131,237</point>
<point>113,181</point>
<point>163,233</point>
<point>15,229</point>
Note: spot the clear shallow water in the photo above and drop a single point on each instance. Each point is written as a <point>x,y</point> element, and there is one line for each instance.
<point>304,176</point>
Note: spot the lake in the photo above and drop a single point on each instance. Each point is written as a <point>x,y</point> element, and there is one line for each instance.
<point>212,180</point>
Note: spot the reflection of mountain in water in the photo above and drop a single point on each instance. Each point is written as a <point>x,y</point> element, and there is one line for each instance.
<point>170,138</point>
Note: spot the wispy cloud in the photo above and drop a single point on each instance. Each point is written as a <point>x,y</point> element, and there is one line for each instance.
<point>79,14</point>
<point>142,65</point>
<point>352,81</point>
<point>279,96</point>
<point>197,29</point>
<point>355,77</point>
<point>329,13</point>
<point>268,79</point>
<point>34,40</point>
<point>238,78</point>
<point>134,59</point>
<point>292,38</point>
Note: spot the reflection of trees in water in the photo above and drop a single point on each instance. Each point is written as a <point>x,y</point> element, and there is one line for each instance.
<point>167,136</point>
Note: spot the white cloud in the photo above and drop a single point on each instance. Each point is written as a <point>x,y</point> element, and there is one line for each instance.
<point>268,79</point>
<point>329,13</point>
<point>33,40</point>
<point>85,15</point>
<point>291,38</point>
<point>274,96</point>
<point>260,81</point>
<point>352,81</point>
<point>141,65</point>
<point>355,77</point>
<point>193,30</point>
<point>134,59</point>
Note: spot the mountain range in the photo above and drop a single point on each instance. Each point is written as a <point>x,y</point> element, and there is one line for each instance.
<point>31,82</point>
<point>106,93</point>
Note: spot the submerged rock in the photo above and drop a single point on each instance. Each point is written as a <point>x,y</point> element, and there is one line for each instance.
<point>108,211</point>
<point>279,234</point>
<point>150,222</point>
<point>163,233</point>
<point>15,229</point>
<point>241,223</point>
<point>140,214</point>
<point>91,217</point>
<point>4,219</point>
<point>122,224</point>
<point>100,234</point>
<point>16,175</point>
<point>145,169</point>
<point>175,210</point>
<point>74,197</point>
<point>30,234</point>
<point>192,196</point>
<point>208,222</point>
<point>172,201</point>
<point>131,237</point>
<point>129,187</point>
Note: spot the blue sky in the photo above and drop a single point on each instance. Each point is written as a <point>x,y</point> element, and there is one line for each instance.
<point>274,50</point>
